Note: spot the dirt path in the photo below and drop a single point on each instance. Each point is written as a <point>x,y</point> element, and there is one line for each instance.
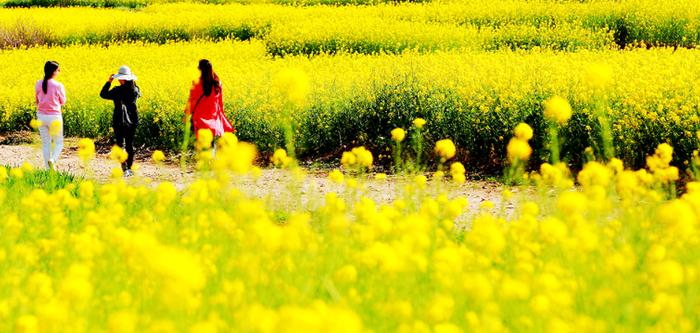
<point>272,185</point>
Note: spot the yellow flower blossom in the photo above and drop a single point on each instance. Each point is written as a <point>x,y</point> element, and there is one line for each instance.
<point>118,154</point>
<point>518,150</point>
<point>523,132</point>
<point>205,138</point>
<point>445,149</point>
<point>86,149</point>
<point>158,156</point>
<point>398,134</point>
<point>280,158</point>
<point>599,75</point>
<point>336,176</point>
<point>557,109</point>
<point>419,123</point>
<point>294,84</point>
<point>35,124</point>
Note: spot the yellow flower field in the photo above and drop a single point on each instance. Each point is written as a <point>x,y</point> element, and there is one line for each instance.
<point>588,112</point>
<point>470,96</point>
<point>133,257</point>
<point>370,29</point>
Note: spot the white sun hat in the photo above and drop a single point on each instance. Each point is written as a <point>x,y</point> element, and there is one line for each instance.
<point>124,73</point>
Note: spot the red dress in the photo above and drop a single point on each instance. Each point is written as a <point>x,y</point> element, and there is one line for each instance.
<point>208,111</point>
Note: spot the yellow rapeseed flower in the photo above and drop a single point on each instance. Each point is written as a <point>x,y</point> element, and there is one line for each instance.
<point>35,124</point>
<point>346,274</point>
<point>665,152</point>
<point>117,173</point>
<point>458,171</point>
<point>398,134</point>
<point>518,150</point>
<point>523,132</point>
<point>27,167</point>
<point>557,109</point>
<point>158,156</point>
<point>457,168</point>
<point>16,173</point>
<point>419,122</point>
<point>420,181</point>
<point>459,178</point>
<point>294,85</point>
<point>364,157</point>
<point>86,149</point>
<point>55,128</point>
<point>336,176</point>
<point>599,75</point>
<point>204,138</point>
<point>118,154</point>
<point>445,149</point>
<point>571,203</point>
<point>122,322</point>
<point>438,175</point>
<point>348,160</point>
<point>280,159</point>
<point>27,324</point>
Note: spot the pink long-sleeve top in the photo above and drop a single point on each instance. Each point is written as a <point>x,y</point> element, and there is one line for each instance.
<point>50,103</point>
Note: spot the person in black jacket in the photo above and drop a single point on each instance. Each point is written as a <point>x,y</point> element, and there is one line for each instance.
<point>125,117</point>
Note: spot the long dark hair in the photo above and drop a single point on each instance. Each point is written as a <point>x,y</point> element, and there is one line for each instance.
<point>50,68</point>
<point>132,88</point>
<point>209,78</point>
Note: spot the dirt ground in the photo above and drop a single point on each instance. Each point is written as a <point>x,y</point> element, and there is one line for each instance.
<point>272,185</point>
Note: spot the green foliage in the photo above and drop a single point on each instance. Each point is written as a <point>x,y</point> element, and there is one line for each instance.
<point>49,181</point>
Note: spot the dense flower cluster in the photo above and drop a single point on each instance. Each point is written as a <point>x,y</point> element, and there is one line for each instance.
<point>499,24</point>
<point>475,98</point>
<point>138,257</point>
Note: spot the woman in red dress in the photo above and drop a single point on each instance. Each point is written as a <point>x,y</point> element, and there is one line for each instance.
<point>205,105</point>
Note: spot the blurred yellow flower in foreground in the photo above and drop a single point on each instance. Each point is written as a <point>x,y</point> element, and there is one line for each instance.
<point>158,156</point>
<point>205,137</point>
<point>445,149</point>
<point>294,85</point>
<point>118,154</point>
<point>280,159</point>
<point>419,122</point>
<point>358,157</point>
<point>523,131</point>
<point>35,124</point>
<point>518,150</point>
<point>398,134</point>
<point>557,109</point>
<point>86,149</point>
<point>599,75</point>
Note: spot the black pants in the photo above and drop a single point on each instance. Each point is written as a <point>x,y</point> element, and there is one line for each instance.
<point>125,139</point>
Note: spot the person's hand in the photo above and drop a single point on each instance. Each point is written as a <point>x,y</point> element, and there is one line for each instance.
<point>111,77</point>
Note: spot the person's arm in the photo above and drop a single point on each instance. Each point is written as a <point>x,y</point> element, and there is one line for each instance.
<point>192,100</point>
<point>220,98</point>
<point>106,93</point>
<point>61,94</point>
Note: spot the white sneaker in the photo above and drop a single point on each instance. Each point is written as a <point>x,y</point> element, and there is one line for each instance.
<point>128,173</point>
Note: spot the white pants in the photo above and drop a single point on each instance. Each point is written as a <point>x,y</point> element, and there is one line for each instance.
<point>51,139</point>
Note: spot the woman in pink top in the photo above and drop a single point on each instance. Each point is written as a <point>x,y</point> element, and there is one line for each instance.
<point>50,96</point>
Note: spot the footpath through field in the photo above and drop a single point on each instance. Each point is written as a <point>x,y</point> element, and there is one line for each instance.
<point>272,185</point>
